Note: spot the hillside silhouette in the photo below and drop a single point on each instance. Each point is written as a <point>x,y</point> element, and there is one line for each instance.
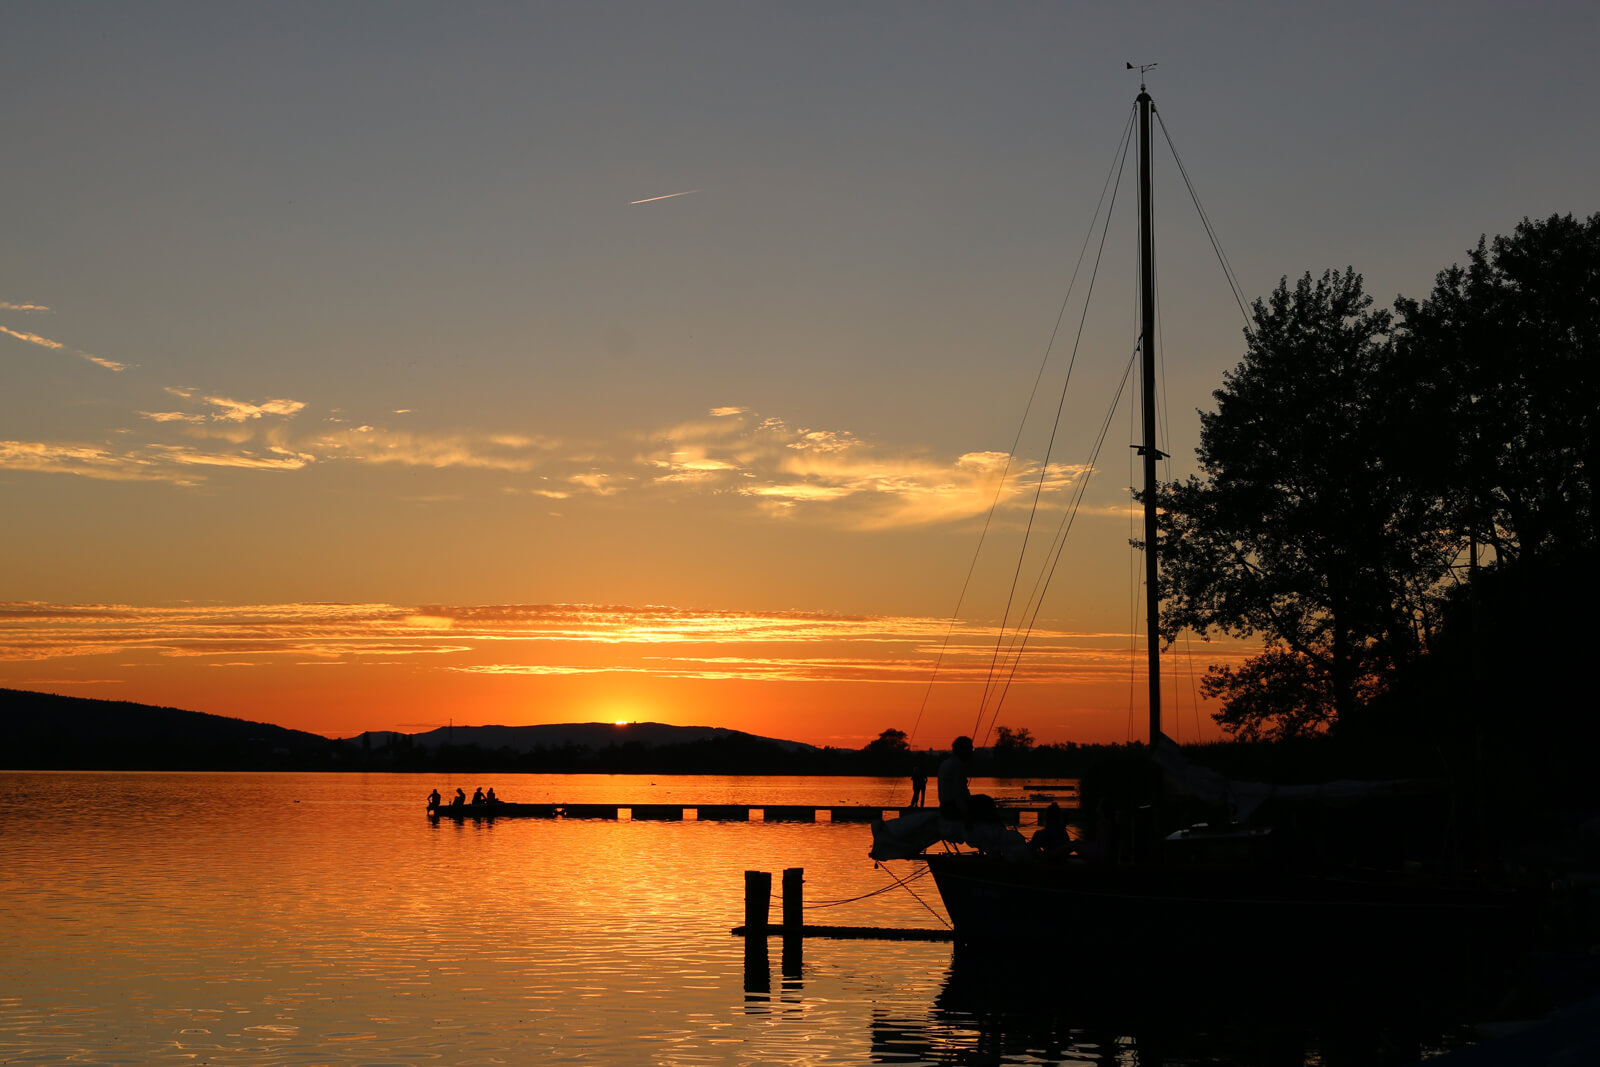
<point>45,731</point>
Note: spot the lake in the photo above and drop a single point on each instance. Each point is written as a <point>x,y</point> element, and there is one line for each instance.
<point>322,919</point>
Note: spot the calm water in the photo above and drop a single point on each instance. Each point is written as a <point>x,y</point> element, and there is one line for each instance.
<point>321,919</point>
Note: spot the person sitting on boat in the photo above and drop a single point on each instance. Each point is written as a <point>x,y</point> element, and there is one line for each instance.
<point>433,800</point>
<point>490,798</point>
<point>955,800</point>
<point>1051,840</point>
<point>477,795</point>
<point>459,799</point>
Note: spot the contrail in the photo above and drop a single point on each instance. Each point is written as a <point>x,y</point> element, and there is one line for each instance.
<point>669,196</point>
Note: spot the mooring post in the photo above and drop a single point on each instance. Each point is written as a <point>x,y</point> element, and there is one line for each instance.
<point>794,879</point>
<point>757,899</point>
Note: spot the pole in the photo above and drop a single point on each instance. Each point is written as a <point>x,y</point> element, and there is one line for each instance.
<point>1147,365</point>
<point>757,898</point>
<point>794,879</point>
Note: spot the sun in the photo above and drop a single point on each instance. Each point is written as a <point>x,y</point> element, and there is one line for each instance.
<point>620,722</point>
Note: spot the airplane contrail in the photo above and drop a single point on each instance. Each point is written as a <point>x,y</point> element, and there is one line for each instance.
<point>669,196</point>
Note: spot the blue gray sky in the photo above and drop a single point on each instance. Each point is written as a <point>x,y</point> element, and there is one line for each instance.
<point>354,302</point>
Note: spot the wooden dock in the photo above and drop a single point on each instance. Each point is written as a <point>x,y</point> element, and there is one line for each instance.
<point>1011,812</point>
<point>850,933</point>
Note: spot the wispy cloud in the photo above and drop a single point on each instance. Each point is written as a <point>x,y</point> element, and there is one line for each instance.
<point>89,461</point>
<point>31,338</point>
<point>232,410</point>
<point>668,196</point>
<point>835,476</point>
<point>564,639</point>
<point>369,444</point>
<point>284,460</point>
<point>6,305</point>
<point>45,342</point>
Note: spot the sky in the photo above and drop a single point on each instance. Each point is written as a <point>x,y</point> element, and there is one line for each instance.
<point>384,365</point>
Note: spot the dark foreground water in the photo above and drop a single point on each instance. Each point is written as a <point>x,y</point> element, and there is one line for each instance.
<point>306,919</point>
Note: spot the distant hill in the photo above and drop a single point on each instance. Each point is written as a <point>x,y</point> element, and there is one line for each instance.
<point>589,735</point>
<point>46,731</point>
<point>43,731</point>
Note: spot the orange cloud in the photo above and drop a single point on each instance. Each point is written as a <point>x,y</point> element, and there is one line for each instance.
<point>31,338</point>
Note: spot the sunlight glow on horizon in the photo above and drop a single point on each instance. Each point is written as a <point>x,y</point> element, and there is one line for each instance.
<point>554,657</point>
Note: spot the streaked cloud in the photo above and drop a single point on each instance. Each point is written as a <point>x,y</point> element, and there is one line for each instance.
<point>668,196</point>
<point>835,476</point>
<point>6,305</point>
<point>369,444</point>
<point>53,345</point>
<point>565,639</point>
<point>284,460</point>
<point>31,338</point>
<point>832,476</point>
<point>239,410</point>
<point>89,461</point>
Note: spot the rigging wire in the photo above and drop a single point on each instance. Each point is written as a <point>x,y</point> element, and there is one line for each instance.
<point>894,883</point>
<point>1205,220</point>
<point>1044,469</point>
<point>994,504</point>
<point>820,904</point>
<point>1036,598</point>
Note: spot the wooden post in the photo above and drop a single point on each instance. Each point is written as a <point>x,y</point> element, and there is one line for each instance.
<point>757,899</point>
<point>793,899</point>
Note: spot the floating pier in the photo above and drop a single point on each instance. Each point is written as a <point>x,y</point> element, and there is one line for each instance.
<point>1011,811</point>
<point>758,902</point>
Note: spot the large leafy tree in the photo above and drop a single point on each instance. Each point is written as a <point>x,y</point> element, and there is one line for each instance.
<point>1303,527</point>
<point>1504,356</point>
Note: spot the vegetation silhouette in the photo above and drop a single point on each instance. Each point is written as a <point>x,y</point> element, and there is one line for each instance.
<point>1364,470</point>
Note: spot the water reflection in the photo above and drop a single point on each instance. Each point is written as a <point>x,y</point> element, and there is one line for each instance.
<point>1005,1009</point>
<point>243,919</point>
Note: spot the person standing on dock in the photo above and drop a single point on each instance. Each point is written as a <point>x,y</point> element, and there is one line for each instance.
<point>919,782</point>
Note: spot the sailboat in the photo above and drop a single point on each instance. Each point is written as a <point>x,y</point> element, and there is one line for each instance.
<point>1240,885</point>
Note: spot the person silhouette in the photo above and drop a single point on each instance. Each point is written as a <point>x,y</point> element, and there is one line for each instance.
<point>459,799</point>
<point>477,795</point>
<point>433,799</point>
<point>489,797</point>
<point>955,800</point>
<point>1051,839</point>
<point>919,782</point>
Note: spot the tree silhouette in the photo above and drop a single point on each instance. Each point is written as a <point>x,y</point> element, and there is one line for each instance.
<point>1503,354</point>
<point>1304,528</point>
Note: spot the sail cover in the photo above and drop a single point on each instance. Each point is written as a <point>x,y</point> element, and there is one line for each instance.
<point>1243,798</point>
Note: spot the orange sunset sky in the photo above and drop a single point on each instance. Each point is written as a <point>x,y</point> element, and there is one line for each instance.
<point>361,371</point>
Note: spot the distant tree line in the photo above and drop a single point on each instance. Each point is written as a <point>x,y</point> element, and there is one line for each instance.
<point>889,754</point>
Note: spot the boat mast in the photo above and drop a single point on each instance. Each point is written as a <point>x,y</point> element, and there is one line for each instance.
<point>1147,352</point>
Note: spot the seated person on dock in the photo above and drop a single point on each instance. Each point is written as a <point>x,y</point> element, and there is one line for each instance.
<point>459,799</point>
<point>433,799</point>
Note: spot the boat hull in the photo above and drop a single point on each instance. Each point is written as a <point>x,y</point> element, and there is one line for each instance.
<point>995,903</point>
